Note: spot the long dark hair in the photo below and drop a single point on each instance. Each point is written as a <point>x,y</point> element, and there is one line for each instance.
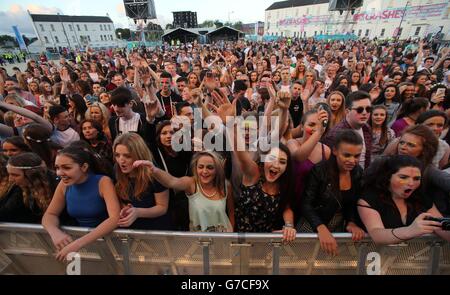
<point>377,178</point>
<point>412,106</point>
<point>384,126</point>
<point>38,139</point>
<point>83,156</point>
<point>286,182</point>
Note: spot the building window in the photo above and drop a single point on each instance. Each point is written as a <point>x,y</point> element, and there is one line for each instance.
<point>417,31</point>
<point>73,39</point>
<point>52,27</point>
<point>70,28</point>
<point>56,39</point>
<point>85,27</point>
<point>353,32</point>
<point>42,28</point>
<point>101,27</point>
<point>367,33</point>
<point>46,39</point>
<point>78,28</point>
<point>109,27</point>
<point>101,37</point>
<point>315,33</point>
<point>382,32</point>
<point>111,37</point>
<point>359,32</point>
<point>321,32</point>
<point>89,38</point>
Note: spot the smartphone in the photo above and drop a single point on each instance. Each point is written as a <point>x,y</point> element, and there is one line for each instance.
<point>440,92</point>
<point>90,99</point>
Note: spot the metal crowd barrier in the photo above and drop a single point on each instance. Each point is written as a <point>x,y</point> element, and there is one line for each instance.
<point>27,249</point>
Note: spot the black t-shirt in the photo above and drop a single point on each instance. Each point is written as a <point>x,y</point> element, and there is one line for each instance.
<point>147,200</point>
<point>168,103</point>
<point>296,111</point>
<point>390,215</point>
<point>243,104</point>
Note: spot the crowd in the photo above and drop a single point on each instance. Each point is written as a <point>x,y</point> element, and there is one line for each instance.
<point>362,140</point>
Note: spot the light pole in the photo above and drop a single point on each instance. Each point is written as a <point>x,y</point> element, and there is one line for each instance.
<point>229,14</point>
<point>401,21</point>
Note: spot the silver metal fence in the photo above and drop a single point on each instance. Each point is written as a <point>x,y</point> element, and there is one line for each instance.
<point>28,249</point>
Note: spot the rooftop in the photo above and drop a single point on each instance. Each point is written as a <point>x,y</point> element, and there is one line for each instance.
<point>294,3</point>
<point>70,18</point>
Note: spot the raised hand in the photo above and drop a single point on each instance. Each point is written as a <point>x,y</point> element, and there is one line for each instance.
<point>284,100</point>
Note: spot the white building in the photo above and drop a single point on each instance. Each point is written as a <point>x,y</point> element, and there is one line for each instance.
<point>376,18</point>
<point>60,31</point>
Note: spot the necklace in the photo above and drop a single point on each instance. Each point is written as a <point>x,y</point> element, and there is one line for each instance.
<point>206,195</point>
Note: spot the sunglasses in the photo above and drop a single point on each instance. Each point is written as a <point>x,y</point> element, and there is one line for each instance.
<point>360,110</point>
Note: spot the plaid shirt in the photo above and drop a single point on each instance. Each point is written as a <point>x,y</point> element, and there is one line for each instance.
<point>367,131</point>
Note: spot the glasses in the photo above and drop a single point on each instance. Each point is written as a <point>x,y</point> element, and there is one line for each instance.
<point>360,110</point>
<point>409,144</point>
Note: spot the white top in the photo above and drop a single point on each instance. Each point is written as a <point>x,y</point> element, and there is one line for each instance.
<point>126,126</point>
<point>362,159</point>
<point>65,138</point>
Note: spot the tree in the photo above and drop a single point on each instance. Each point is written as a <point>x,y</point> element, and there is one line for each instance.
<point>228,24</point>
<point>169,27</point>
<point>218,23</point>
<point>207,24</point>
<point>238,25</point>
<point>125,34</point>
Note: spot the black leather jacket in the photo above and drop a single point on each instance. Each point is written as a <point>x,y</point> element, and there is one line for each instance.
<point>320,201</point>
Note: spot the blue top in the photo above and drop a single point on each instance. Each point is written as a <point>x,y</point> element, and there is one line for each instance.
<point>84,203</point>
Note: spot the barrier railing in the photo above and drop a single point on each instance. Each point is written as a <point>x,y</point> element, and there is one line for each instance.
<point>27,249</point>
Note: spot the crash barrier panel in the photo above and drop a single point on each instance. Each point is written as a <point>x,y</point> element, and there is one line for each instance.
<point>28,249</point>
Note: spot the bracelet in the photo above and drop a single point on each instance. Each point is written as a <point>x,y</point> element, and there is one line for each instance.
<point>288,225</point>
<point>392,232</point>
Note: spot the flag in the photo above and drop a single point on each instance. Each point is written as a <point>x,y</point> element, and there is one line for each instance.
<point>19,38</point>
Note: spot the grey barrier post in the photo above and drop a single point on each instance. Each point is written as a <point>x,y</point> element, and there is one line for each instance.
<point>126,256</point>
<point>276,248</point>
<point>205,249</point>
<point>433,262</point>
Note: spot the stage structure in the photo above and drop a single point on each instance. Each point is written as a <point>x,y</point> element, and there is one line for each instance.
<point>350,7</point>
<point>141,12</point>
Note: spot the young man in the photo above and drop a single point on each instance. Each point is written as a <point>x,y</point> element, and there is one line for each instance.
<point>63,133</point>
<point>359,107</point>
<point>181,84</point>
<point>167,97</point>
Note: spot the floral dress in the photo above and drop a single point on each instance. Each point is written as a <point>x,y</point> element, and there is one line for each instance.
<point>256,211</point>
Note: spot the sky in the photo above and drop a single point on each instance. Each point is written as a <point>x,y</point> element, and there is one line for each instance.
<point>15,12</point>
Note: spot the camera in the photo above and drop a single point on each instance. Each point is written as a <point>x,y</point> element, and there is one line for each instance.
<point>445,222</point>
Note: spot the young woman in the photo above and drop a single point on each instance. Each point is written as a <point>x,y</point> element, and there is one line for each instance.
<point>394,207</point>
<point>210,196</point>
<point>145,202</point>
<point>436,121</point>
<point>88,196</point>
<point>309,84</point>
<point>299,73</point>
<point>14,145</point>
<point>99,113</point>
<point>355,81</point>
<point>77,108</point>
<point>92,133</point>
<point>408,114</point>
<point>46,93</point>
<point>336,101</point>
<point>265,203</point>
<point>39,141</point>
<point>390,98</point>
<point>308,151</point>
<point>177,165</point>
<point>331,191</point>
<point>382,135</point>
<point>193,81</point>
<point>409,73</point>
<point>32,190</point>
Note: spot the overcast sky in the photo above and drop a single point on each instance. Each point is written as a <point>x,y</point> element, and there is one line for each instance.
<point>15,12</point>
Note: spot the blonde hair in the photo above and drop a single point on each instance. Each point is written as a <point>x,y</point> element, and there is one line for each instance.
<point>138,151</point>
<point>103,110</point>
<point>219,179</point>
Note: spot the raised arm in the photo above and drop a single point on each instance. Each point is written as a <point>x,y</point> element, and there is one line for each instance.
<point>302,152</point>
<point>29,114</point>
<point>186,184</point>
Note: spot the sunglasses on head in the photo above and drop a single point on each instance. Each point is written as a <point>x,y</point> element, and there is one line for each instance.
<point>360,110</point>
